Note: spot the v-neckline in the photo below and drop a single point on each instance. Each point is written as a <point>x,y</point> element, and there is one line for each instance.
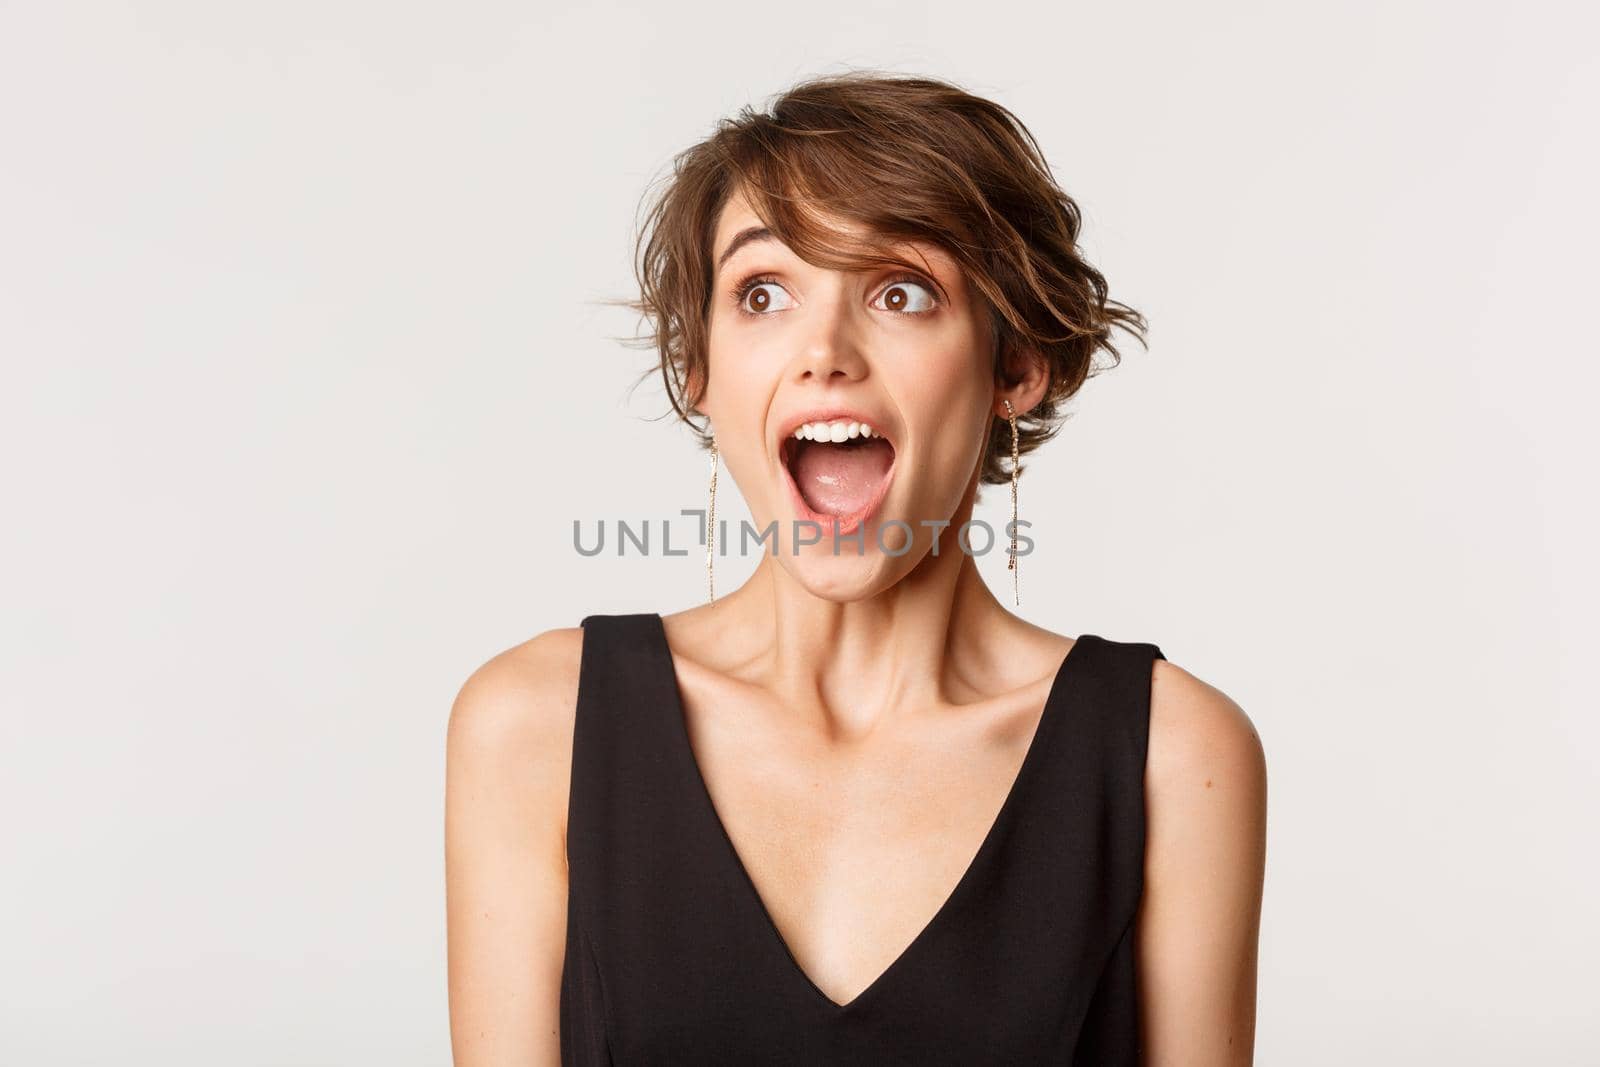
<point>1047,716</point>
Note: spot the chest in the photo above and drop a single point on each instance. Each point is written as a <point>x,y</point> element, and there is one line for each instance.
<point>852,848</point>
<point>961,893</point>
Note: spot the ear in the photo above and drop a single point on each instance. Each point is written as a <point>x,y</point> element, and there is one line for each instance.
<point>694,381</point>
<point>1030,379</point>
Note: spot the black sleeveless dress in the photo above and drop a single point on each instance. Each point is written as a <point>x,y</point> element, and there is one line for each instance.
<point>671,957</point>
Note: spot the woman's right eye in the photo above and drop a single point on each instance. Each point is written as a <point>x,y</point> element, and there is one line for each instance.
<point>759,296</point>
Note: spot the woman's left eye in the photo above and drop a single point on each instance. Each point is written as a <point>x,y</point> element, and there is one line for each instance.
<point>908,296</point>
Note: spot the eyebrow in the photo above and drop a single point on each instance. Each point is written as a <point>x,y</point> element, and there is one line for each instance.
<point>751,234</point>
<point>743,237</point>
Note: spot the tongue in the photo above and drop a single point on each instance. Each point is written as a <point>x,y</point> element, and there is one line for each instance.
<point>840,479</point>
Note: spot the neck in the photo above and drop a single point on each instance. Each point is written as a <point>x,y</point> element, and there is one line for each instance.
<point>906,645</point>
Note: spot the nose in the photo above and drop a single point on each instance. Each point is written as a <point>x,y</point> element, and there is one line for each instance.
<point>830,352</point>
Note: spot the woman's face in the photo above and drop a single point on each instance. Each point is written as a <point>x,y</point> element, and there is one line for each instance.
<point>794,347</point>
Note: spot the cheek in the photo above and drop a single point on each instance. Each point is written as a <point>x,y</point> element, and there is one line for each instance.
<point>952,365</point>
<point>950,393</point>
<point>738,395</point>
<point>735,377</point>
<point>948,399</point>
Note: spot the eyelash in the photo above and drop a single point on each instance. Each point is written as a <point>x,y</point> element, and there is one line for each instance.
<point>744,288</point>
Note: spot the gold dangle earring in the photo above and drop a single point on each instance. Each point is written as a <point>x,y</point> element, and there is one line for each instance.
<point>1011,564</point>
<point>711,529</point>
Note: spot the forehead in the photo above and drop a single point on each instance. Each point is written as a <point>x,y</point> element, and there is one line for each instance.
<point>737,216</point>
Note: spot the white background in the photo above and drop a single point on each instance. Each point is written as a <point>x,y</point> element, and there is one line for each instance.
<point>306,375</point>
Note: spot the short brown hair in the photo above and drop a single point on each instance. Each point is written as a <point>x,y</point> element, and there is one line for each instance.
<point>910,159</point>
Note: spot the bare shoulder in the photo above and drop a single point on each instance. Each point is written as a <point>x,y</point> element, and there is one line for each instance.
<point>537,674</point>
<point>507,774</point>
<point>1200,739</point>
<point>514,715</point>
<point>1205,857</point>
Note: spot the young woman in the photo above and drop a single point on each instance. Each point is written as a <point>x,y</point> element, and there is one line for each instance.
<point>857,811</point>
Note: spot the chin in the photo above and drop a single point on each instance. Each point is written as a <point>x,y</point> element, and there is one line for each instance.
<point>845,578</point>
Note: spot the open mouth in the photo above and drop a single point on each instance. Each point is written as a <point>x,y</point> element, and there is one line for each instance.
<point>839,471</point>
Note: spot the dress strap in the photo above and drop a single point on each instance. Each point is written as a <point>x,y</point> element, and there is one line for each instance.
<point>618,739</point>
<point>1097,811</point>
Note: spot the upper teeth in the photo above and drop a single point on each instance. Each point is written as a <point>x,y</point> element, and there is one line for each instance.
<point>838,430</point>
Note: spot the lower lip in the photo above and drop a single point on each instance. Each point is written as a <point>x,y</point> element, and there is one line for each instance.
<point>848,524</point>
